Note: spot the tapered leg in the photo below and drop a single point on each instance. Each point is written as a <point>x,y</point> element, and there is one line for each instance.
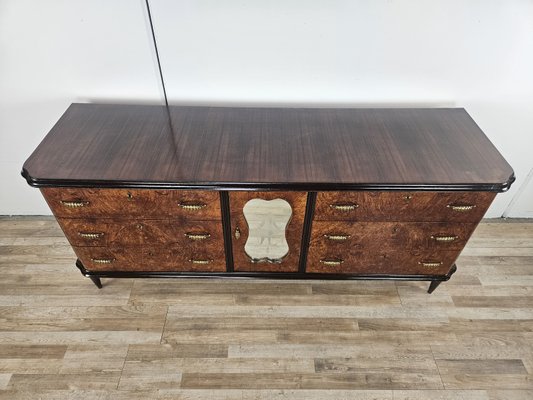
<point>433,286</point>
<point>96,281</point>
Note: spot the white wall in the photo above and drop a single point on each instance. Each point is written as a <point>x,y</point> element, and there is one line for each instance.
<point>475,54</point>
<point>53,53</point>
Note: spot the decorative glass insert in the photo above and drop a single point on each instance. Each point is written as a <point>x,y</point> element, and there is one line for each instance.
<point>267,221</point>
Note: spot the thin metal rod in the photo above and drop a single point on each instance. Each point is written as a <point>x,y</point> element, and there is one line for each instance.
<point>156,52</point>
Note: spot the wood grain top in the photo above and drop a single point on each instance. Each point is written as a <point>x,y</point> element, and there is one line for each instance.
<point>289,148</point>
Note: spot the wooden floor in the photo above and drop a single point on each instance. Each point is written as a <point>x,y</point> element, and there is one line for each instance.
<point>62,338</point>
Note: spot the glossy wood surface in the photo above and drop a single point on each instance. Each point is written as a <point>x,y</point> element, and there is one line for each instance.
<point>133,232</point>
<point>117,258</point>
<point>129,145</point>
<point>187,257</point>
<point>153,258</point>
<point>63,339</point>
<point>373,236</point>
<point>105,203</point>
<point>242,262</point>
<point>386,261</point>
<point>403,206</point>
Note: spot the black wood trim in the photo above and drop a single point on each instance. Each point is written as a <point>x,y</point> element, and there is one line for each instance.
<point>226,229</point>
<point>306,235</point>
<point>267,186</point>
<point>264,275</point>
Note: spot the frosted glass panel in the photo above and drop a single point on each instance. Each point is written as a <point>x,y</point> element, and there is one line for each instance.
<point>267,221</point>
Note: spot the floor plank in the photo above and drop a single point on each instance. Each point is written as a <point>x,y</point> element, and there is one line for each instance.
<point>378,380</point>
<point>62,338</point>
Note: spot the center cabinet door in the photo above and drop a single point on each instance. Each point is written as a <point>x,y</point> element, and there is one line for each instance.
<point>266,230</point>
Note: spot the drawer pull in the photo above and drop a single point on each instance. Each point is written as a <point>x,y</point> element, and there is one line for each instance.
<point>237,233</point>
<point>74,203</point>
<point>102,260</point>
<point>198,236</point>
<point>192,206</point>
<point>450,238</point>
<point>344,207</point>
<point>91,235</point>
<point>337,238</point>
<point>461,207</point>
<point>203,262</point>
<point>332,262</point>
<point>430,263</point>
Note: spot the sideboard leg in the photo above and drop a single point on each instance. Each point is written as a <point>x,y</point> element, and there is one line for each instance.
<point>96,281</point>
<point>433,286</point>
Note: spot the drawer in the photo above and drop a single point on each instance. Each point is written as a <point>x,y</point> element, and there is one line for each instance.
<point>383,262</point>
<point>402,206</point>
<point>150,258</point>
<point>188,259</point>
<point>196,235</point>
<point>102,232</point>
<point>115,232</point>
<point>145,203</point>
<point>196,205</point>
<point>110,258</point>
<point>342,236</point>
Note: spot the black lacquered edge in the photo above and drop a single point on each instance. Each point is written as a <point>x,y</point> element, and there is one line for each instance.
<point>226,229</point>
<point>264,275</point>
<point>306,236</point>
<point>267,186</point>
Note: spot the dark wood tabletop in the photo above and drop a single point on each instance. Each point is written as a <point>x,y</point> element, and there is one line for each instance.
<point>277,148</point>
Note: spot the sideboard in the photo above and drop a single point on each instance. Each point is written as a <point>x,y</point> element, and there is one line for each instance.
<point>305,193</point>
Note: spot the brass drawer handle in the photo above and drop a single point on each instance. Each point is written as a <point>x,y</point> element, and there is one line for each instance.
<point>197,236</point>
<point>450,238</point>
<point>102,260</point>
<point>338,238</point>
<point>192,206</point>
<point>430,263</point>
<point>344,207</point>
<point>195,261</point>
<point>332,262</point>
<point>91,235</point>
<point>74,203</point>
<point>461,207</point>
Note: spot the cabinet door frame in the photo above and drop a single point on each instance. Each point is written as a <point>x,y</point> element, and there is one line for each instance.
<point>294,230</point>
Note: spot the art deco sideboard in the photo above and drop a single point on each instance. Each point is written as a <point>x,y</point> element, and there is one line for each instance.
<point>150,191</point>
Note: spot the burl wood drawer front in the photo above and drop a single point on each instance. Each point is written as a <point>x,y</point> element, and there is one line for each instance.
<point>185,259</point>
<point>103,232</point>
<point>402,206</point>
<point>123,232</point>
<point>186,234</point>
<point>293,232</point>
<point>146,203</point>
<point>383,262</point>
<point>196,205</point>
<point>109,258</point>
<point>342,236</point>
<point>151,258</point>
